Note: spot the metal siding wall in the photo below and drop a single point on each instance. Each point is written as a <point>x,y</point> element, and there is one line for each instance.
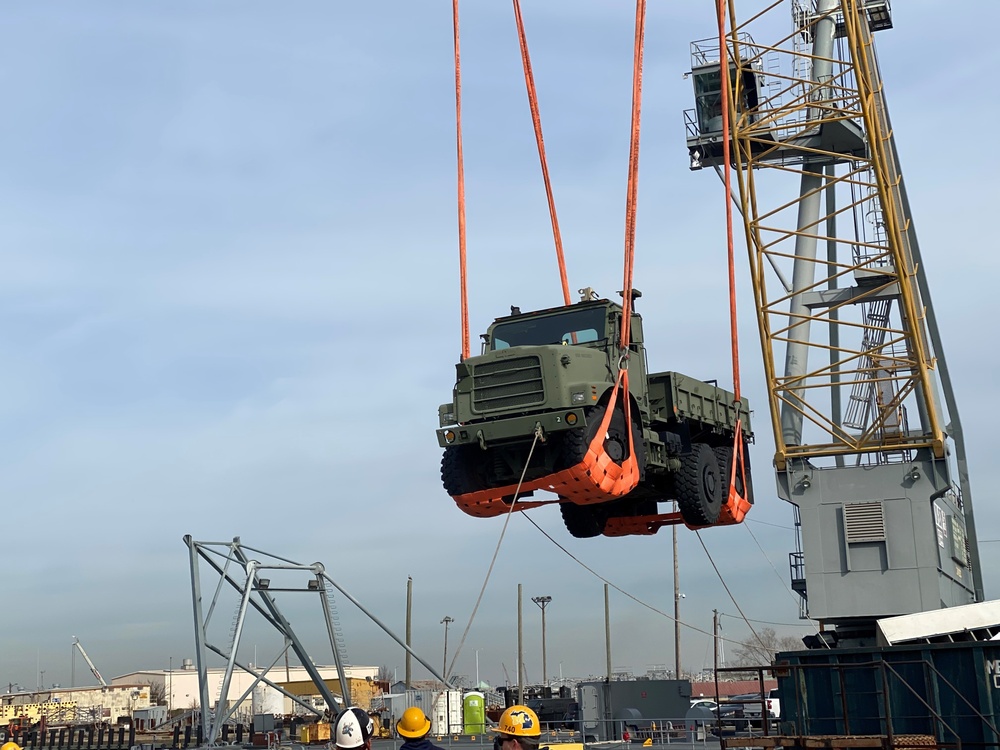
<point>958,681</point>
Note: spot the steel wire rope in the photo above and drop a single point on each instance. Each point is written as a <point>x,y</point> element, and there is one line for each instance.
<point>776,573</point>
<point>769,523</point>
<point>769,622</point>
<point>615,586</point>
<point>728,591</point>
<point>496,553</point>
<point>536,121</point>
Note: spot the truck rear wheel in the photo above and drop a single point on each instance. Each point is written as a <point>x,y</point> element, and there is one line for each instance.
<point>700,486</point>
<point>725,458</point>
<point>583,521</point>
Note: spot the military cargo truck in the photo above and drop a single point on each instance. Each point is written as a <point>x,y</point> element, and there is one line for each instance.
<point>551,373</point>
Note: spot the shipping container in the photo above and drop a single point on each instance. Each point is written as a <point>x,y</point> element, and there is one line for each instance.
<point>948,690</point>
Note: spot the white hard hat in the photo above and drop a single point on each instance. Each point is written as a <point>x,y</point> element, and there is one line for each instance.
<point>353,728</point>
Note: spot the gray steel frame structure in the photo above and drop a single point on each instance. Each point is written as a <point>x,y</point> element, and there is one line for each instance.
<point>237,570</point>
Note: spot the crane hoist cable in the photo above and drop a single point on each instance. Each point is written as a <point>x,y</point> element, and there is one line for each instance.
<point>461,187</point>
<point>536,121</point>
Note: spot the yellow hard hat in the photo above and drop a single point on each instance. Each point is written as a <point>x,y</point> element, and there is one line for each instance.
<point>10,746</point>
<point>414,724</point>
<point>519,721</point>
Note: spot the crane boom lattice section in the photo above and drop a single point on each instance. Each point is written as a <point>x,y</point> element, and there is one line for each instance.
<point>836,287</point>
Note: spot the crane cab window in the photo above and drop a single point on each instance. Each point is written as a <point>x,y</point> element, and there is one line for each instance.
<point>570,329</point>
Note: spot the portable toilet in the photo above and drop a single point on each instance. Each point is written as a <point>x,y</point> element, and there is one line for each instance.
<point>474,713</point>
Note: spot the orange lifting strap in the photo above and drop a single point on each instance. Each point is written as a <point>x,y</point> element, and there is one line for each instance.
<point>462,272</point>
<point>736,506</point>
<point>595,479</point>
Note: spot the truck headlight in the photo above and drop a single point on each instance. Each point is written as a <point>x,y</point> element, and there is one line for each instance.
<point>447,418</point>
<point>449,436</point>
<point>577,398</point>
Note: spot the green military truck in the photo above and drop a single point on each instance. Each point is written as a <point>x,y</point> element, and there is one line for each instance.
<point>551,373</point>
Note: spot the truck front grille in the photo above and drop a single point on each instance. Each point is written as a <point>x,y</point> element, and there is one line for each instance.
<point>507,384</point>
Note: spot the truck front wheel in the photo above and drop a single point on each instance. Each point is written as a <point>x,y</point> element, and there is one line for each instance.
<point>576,442</point>
<point>459,473</point>
<point>699,486</point>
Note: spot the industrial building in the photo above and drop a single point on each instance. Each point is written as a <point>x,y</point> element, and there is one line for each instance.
<point>110,704</point>
<point>179,687</point>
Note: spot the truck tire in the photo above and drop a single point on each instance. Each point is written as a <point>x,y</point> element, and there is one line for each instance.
<point>458,470</point>
<point>700,486</point>
<point>725,458</point>
<point>576,442</point>
<point>583,521</point>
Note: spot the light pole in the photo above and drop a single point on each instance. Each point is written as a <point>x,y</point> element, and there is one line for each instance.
<point>677,609</point>
<point>477,669</point>
<point>446,622</point>
<point>542,602</point>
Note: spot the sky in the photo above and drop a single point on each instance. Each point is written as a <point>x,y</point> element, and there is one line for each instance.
<point>229,293</point>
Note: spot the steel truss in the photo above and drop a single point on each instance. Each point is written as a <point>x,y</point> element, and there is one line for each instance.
<point>249,571</point>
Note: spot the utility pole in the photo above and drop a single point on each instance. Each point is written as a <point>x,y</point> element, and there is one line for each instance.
<point>543,602</point>
<point>409,627</point>
<point>715,645</point>
<point>446,622</point>
<point>520,650</point>
<point>607,629</point>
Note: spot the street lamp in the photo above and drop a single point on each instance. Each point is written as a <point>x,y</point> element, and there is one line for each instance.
<point>542,602</point>
<point>446,622</point>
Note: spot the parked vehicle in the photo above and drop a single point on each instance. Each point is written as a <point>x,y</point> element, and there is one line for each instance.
<point>774,703</point>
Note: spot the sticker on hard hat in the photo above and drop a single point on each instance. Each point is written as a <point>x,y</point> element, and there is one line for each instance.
<point>521,719</point>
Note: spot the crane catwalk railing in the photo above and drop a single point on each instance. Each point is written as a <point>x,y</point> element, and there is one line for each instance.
<point>864,286</point>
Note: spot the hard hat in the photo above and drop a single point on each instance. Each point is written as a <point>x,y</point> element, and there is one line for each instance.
<point>10,746</point>
<point>353,729</point>
<point>519,721</point>
<point>414,723</point>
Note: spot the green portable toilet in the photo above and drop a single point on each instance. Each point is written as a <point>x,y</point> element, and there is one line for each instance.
<point>474,713</point>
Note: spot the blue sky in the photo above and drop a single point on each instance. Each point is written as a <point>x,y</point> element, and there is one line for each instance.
<point>228,284</point>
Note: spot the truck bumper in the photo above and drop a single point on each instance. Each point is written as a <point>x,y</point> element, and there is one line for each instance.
<point>512,429</point>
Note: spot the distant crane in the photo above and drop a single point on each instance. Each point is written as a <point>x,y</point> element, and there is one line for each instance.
<point>79,646</point>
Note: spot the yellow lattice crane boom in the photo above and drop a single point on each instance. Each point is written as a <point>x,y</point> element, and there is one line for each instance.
<point>858,392</point>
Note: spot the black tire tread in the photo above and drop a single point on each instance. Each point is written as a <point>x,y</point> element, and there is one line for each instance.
<point>583,521</point>
<point>697,507</point>
<point>457,474</point>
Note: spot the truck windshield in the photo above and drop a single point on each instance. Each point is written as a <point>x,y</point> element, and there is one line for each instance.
<point>575,327</point>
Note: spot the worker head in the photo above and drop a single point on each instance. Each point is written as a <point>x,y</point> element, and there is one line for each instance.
<point>518,729</point>
<point>353,729</point>
<point>10,746</point>
<point>414,724</point>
